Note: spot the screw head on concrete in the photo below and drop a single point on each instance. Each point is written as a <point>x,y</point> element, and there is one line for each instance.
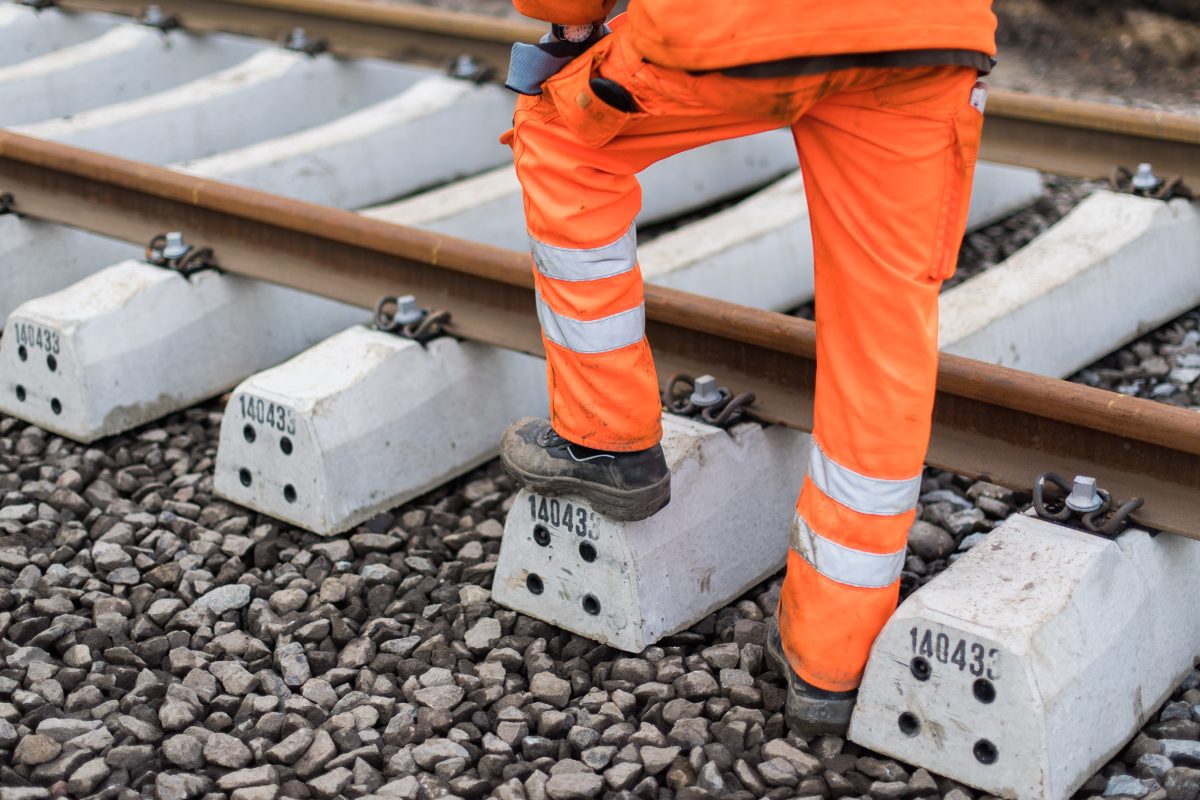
<point>153,16</point>
<point>705,392</point>
<point>175,246</point>
<point>407,310</point>
<point>1144,179</point>
<point>1084,498</point>
<point>466,67</point>
<point>297,39</point>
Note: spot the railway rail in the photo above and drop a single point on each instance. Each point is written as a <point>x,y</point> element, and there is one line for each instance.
<point>989,422</point>
<point>1063,136</point>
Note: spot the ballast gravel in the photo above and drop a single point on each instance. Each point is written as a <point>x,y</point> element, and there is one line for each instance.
<point>156,642</point>
<point>1163,365</point>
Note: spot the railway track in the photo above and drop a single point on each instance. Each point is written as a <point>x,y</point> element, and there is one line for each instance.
<point>987,417</point>
<point>1061,136</point>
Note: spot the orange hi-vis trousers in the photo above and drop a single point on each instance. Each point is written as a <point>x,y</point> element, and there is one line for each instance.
<point>888,157</point>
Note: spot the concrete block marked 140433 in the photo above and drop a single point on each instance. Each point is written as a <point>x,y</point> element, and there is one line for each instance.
<point>133,342</point>
<point>1030,662</point>
<point>733,496</point>
<point>367,420</point>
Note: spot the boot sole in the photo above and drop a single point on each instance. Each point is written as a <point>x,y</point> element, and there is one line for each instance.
<point>623,505</point>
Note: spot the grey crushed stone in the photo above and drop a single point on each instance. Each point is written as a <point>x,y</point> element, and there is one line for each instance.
<point>412,685</point>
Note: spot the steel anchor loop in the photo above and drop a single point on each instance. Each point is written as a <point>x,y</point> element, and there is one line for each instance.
<point>170,251</point>
<point>729,413</point>
<point>403,317</point>
<point>1097,509</point>
<point>1051,508</point>
<point>297,39</point>
<point>431,326</point>
<point>196,260</point>
<point>1116,522</point>
<point>392,313</point>
<point>702,398</point>
<point>6,203</point>
<point>674,401</point>
<point>154,251</point>
<point>1144,183</point>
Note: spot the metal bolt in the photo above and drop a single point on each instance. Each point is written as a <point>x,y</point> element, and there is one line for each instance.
<point>155,17</point>
<point>175,247</point>
<point>466,67</point>
<point>407,310</point>
<point>1144,180</point>
<point>297,39</point>
<point>705,392</point>
<point>1084,498</point>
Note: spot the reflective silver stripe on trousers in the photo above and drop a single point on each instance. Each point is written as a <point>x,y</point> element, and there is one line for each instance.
<point>594,336</point>
<point>879,496</point>
<point>843,564</point>
<point>566,264</point>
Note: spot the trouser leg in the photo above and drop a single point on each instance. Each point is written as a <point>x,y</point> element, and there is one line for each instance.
<point>580,204</point>
<point>887,176</point>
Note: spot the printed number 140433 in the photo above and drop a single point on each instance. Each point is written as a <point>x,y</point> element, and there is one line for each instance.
<point>965,654</point>
<point>561,514</point>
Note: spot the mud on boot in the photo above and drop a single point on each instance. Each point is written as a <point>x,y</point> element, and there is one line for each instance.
<point>622,486</point>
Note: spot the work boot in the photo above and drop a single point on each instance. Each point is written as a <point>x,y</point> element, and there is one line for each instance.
<point>809,711</point>
<point>621,486</point>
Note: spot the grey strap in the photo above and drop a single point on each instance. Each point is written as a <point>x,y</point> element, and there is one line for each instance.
<point>531,65</point>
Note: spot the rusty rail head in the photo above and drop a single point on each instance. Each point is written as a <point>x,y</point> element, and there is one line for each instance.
<point>989,421</point>
<point>1085,139</point>
<point>1058,135</point>
<point>350,28</point>
<point>1067,112</point>
<point>418,19</point>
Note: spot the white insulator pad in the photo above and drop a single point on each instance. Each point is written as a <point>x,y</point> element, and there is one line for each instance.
<point>438,130</point>
<point>1064,300</point>
<point>365,421</point>
<point>272,93</point>
<point>127,61</point>
<point>133,342</point>
<point>1046,650</point>
<point>628,584</point>
<point>26,33</point>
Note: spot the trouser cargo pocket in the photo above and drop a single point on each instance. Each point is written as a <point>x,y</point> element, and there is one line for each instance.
<point>960,175</point>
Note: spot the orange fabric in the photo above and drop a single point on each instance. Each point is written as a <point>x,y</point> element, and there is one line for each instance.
<point>835,625</point>
<point>888,157</point>
<point>590,300</point>
<point>869,533</point>
<point>566,12</point>
<point>691,35</point>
